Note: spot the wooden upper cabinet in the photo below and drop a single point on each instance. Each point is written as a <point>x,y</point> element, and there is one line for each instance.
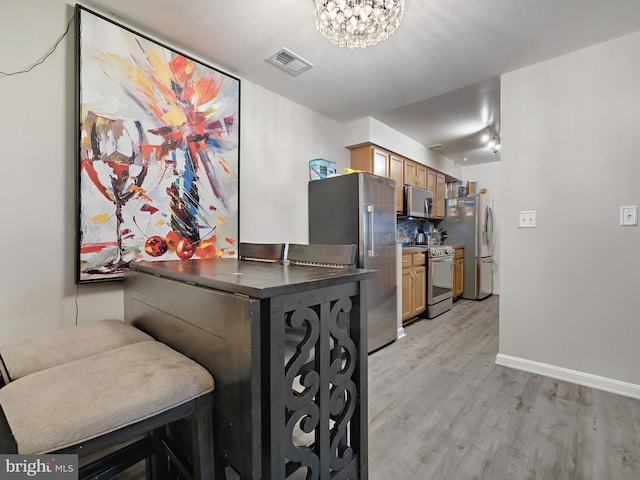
<point>436,184</point>
<point>396,172</point>
<point>410,173</point>
<point>415,174</point>
<point>422,176</point>
<point>439,196</point>
<point>372,159</point>
<point>380,162</point>
<point>431,181</point>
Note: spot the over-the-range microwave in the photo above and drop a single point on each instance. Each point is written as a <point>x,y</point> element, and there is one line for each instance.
<point>417,202</point>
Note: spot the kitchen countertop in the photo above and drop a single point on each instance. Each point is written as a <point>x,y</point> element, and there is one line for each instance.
<point>414,248</point>
<point>422,248</point>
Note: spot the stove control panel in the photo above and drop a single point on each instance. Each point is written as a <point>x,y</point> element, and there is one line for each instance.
<point>440,251</point>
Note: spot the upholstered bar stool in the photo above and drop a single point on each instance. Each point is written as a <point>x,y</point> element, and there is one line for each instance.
<point>39,352</point>
<point>126,394</point>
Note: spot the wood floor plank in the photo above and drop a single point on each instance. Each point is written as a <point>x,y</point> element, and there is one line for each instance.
<point>440,409</point>
<point>461,417</point>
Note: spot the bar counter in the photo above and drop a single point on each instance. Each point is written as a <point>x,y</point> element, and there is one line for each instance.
<point>287,347</point>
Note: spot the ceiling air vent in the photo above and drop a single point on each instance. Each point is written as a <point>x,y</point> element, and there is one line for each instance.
<point>435,147</point>
<point>289,61</point>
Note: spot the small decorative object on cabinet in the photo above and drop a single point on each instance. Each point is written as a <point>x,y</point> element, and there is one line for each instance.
<point>321,168</point>
<point>458,272</point>
<point>414,293</point>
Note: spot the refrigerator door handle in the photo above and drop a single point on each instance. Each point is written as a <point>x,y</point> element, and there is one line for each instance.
<point>370,250</point>
<point>490,228</point>
<point>486,221</point>
<point>487,228</point>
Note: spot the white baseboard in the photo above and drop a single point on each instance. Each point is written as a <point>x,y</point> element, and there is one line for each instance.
<point>581,378</point>
<point>400,333</point>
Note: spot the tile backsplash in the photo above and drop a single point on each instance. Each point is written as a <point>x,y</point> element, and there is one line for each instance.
<point>411,227</point>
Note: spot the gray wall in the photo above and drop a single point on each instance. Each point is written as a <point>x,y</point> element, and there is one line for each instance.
<point>570,288</point>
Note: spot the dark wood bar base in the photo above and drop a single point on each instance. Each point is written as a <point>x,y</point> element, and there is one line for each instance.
<point>287,347</point>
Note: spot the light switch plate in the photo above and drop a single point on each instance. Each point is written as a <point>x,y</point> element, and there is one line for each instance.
<point>629,216</point>
<point>528,219</point>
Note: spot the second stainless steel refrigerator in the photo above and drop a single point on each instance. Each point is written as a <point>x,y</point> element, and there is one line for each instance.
<point>359,208</point>
<point>469,221</point>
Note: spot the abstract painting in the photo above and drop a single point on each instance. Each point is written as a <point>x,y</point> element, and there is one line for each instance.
<point>158,152</point>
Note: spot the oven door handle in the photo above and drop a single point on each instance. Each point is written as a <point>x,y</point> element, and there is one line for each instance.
<point>448,258</point>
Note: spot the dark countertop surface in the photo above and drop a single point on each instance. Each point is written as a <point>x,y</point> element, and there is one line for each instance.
<point>254,279</point>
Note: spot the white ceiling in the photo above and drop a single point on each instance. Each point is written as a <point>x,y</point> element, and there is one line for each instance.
<point>436,79</point>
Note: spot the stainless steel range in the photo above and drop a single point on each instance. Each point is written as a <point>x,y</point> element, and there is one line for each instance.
<point>439,279</point>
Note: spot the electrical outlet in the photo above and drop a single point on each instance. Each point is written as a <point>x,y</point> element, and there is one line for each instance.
<point>528,219</point>
<point>628,216</point>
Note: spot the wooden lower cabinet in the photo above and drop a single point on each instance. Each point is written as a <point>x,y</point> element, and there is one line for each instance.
<point>414,284</point>
<point>458,272</point>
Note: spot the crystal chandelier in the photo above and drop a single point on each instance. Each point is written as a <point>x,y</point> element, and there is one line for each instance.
<point>493,141</point>
<point>358,23</point>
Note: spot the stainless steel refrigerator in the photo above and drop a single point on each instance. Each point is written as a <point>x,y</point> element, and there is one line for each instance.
<point>469,222</point>
<point>360,208</point>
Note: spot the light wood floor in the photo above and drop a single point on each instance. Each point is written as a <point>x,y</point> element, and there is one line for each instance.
<point>439,408</point>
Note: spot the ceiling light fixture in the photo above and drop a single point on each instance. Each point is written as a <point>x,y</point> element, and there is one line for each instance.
<point>358,23</point>
<point>492,140</point>
<point>494,144</point>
